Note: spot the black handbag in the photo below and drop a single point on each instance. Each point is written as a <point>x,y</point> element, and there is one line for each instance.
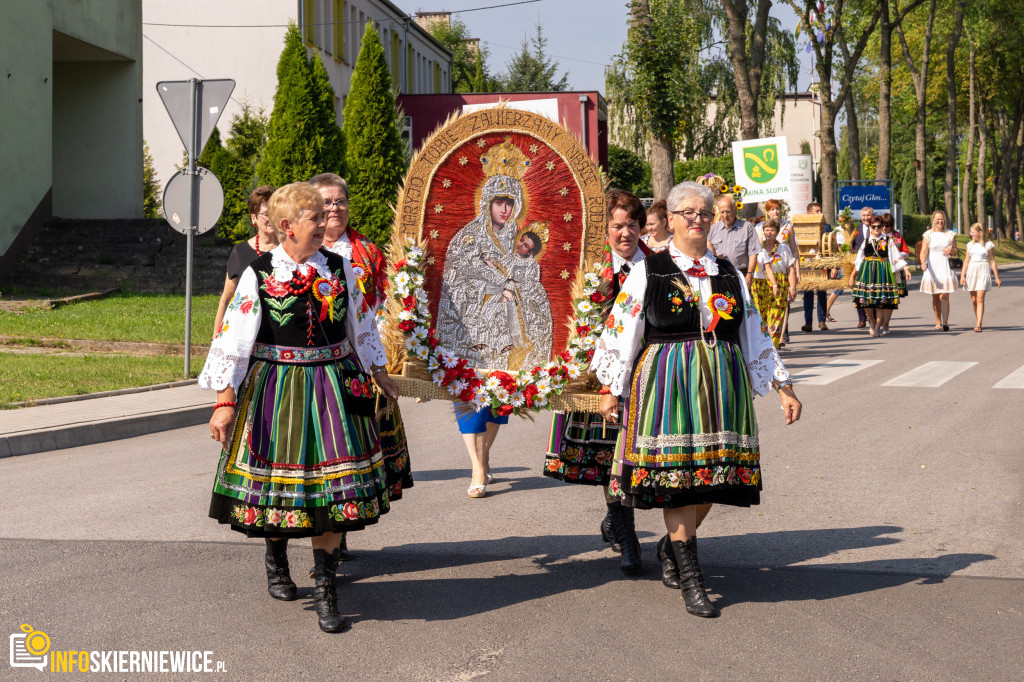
<point>956,263</point>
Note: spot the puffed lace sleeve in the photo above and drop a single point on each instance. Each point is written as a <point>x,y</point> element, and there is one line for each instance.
<point>623,333</point>
<point>759,353</point>
<point>228,359</point>
<point>895,257</point>
<point>362,333</point>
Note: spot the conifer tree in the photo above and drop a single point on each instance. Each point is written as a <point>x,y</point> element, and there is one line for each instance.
<point>151,195</point>
<point>374,150</point>
<point>302,135</point>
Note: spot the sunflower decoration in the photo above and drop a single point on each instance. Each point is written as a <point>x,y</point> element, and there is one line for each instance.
<point>739,205</point>
<point>724,189</point>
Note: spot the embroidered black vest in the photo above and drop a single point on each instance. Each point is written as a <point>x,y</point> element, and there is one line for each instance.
<point>670,319</point>
<point>878,250</point>
<point>294,319</point>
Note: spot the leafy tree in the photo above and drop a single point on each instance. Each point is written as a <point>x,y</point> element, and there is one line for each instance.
<point>151,195</point>
<point>469,68</point>
<point>625,169</point>
<point>375,152</point>
<point>302,135</point>
<point>532,70</point>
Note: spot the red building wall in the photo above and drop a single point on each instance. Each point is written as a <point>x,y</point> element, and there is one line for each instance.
<point>428,112</point>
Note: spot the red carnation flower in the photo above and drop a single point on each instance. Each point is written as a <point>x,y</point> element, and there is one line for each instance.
<point>597,297</point>
<point>504,410</point>
<point>407,325</point>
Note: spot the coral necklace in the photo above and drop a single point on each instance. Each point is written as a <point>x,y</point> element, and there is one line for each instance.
<point>258,252</point>
<point>300,284</point>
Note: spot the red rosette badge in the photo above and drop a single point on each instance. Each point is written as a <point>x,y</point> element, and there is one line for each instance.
<point>325,291</point>
<point>721,306</point>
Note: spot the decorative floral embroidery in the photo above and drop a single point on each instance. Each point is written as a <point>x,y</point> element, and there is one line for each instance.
<point>682,478</point>
<point>359,389</point>
<point>282,518</point>
<point>350,511</point>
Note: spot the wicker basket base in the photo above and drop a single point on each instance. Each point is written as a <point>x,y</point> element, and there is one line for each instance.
<point>428,390</point>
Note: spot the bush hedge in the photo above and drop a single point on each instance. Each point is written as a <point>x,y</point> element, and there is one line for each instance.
<point>914,227</point>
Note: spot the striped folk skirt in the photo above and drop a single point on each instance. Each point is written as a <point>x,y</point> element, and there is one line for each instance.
<point>690,435</point>
<point>395,449</point>
<point>305,456</point>
<point>875,285</point>
<point>772,308</point>
<point>581,447</point>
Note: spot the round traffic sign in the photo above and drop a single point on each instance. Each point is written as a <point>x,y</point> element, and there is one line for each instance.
<point>209,196</point>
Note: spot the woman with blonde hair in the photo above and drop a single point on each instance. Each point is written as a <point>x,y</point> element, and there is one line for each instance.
<point>974,274</point>
<point>938,246</point>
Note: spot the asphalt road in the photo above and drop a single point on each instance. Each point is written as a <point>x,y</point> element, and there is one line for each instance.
<point>888,544</point>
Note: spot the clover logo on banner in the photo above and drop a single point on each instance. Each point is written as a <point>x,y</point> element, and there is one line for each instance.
<point>29,648</point>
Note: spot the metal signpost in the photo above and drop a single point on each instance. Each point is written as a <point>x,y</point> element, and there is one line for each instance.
<point>193,198</point>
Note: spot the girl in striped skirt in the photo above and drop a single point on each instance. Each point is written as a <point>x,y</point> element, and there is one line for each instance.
<point>873,278</point>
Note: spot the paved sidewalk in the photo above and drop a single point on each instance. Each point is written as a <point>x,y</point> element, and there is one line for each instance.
<point>96,420</point>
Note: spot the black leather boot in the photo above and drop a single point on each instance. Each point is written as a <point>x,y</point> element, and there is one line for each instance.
<point>343,554</point>
<point>279,581</point>
<point>608,531</point>
<point>325,593</point>
<point>625,535</point>
<point>669,567</point>
<point>691,580</point>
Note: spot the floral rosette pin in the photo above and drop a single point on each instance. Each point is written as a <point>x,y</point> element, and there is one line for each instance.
<point>326,291</point>
<point>721,306</point>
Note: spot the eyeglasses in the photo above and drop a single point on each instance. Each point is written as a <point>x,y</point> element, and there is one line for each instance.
<point>264,216</point>
<point>340,203</point>
<point>691,215</point>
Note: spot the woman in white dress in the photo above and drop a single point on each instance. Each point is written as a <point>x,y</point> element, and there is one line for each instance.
<point>974,275</point>
<point>938,246</point>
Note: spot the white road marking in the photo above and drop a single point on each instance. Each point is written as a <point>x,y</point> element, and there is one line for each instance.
<point>822,375</point>
<point>1014,380</point>
<point>930,374</point>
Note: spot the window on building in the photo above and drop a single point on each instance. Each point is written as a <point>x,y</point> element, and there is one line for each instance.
<point>411,70</point>
<point>339,30</point>
<point>309,21</point>
<point>396,59</point>
<point>321,32</point>
<point>437,78</point>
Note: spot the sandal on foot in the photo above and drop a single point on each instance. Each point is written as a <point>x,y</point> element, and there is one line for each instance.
<point>490,478</point>
<point>829,318</point>
<point>977,329</point>
<point>477,491</point>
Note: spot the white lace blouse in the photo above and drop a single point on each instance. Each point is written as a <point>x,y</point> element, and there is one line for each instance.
<point>228,359</point>
<point>895,257</point>
<point>613,359</point>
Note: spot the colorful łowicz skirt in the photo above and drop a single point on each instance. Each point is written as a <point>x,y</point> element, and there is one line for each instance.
<point>875,285</point>
<point>690,435</point>
<point>395,448</point>
<point>581,448</point>
<point>772,308</point>
<point>305,457</point>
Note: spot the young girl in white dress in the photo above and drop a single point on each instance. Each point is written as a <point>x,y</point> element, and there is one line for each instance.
<point>938,246</point>
<point>974,275</point>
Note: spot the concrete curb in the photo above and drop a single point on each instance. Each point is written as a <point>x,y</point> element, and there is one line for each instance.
<point>104,394</point>
<point>90,433</point>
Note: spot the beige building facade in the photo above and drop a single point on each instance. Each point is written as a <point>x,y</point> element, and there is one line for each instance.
<point>242,40</point>
<point>70,115</point>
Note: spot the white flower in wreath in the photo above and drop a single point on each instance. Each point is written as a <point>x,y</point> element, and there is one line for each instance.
<point>419,352</point>
<point>589,342</point>
<point>423,310</point>
<point>482,399</point>
<point>432,363</point>
<point>415,253</point>
<point>438,377</point>
<point>451,389</point>
<point>574,369</point>
<point>591,279</point>
<point>516,399</point>
<point>550,365</point>
<point>584,306</point>
<point>411,343</point>
<point>404,315</point>
<point>402,280</point>
<point>459,385</point>
<point>543,386</point>
<point>421,296</point>
<point>501,394</point>
<point>449,360</point>
<point>540,401</point>
<point>420,332</point>
<point>418,280</point>
<point>492,383</point>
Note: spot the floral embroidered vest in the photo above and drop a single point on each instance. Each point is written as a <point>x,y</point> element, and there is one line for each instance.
<point>296,318</point>
<point>670,317</point>
<point>879,249</point>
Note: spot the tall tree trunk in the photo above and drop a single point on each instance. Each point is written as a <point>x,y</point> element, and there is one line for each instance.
<point>998,159</point>
<point>884,93</point>
<point>852,136</point>
<point>1015,182</point>
<point>1008,133</point>
<point>972,125</point>
<point>920,80</point>
<point>661,167</point>
<point>747,69</point>
<point>979,189</point>
<point>951,146</point>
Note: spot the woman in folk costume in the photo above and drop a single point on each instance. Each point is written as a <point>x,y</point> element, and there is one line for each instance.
<point>873,279</point>
<point>581,444</point>
<point>369,267</point>
<point>292,367</point>
<point>774,282</point>
<point>687,350</point>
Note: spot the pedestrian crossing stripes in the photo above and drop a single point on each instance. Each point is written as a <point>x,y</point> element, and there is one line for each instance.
<point>931,374</point>
<point>822,375</point>
<point>1014,380</point>
<point>928,375</point>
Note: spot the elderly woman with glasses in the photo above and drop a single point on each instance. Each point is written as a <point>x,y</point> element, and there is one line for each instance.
<point>688,352</point>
